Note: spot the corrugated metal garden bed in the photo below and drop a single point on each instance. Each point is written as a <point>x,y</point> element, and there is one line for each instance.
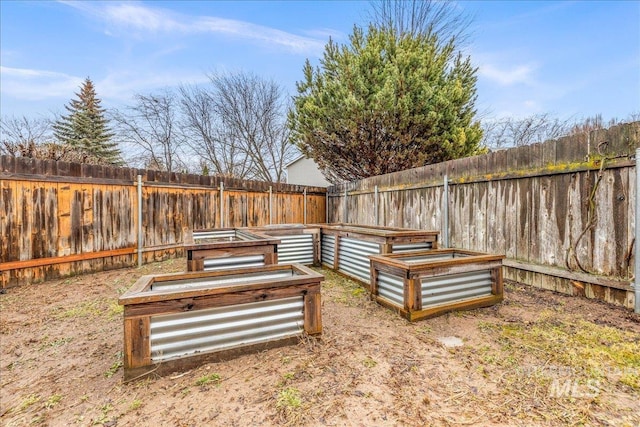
<point>173,321</point>
<point>346,247</point>
<point>299,243</point>
<point>424,284</point>
<point>228,248</point>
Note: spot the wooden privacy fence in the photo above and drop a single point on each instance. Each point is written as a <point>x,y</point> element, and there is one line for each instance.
<point>59,218</point>
<point>563,211</point>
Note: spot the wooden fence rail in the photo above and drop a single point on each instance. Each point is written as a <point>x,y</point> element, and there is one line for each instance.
<point>563,212</point>
<point>59,219</point>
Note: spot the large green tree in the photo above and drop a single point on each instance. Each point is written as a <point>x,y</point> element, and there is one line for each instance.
<point>85,127</point>
<point>385,102</point>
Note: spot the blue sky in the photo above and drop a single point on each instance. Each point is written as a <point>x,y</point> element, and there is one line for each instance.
<point>570,59</point>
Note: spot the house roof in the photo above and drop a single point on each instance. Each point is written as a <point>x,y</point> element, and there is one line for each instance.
<point>297,159</point>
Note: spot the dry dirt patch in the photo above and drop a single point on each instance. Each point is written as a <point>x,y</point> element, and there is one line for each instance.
<point>537,359</point>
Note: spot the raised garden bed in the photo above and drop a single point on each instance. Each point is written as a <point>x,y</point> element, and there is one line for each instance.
<point>174,321</point>
<point>346,248</point>
<point>428,283</point>
<point>229,248</point>
<point>299,243</point>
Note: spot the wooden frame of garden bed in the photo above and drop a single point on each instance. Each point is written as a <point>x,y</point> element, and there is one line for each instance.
<point>461,279</point>
<point>188,295</point>
<point>248,244</point>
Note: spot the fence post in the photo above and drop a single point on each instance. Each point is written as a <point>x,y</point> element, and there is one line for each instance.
<point>636,283</point>
<point>270,205</point>
<point>304,217</point>
<point>326,207</point>
<point>140,243</point>
<point>445,212</point>
<point>345,212</point>
<point>221,204</point>
<point>375,205</point>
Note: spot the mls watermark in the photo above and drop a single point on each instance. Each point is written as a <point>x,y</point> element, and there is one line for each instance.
<point>574,388</point>
<point>576,383</point>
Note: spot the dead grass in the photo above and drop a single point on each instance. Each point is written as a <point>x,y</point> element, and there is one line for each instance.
<point>536,359</point>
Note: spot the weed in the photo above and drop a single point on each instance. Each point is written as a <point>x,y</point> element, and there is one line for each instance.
<point>289,405</point>
<point>38,419</point>
<point>369,362</point>
<point>631,378</point>
<point>55,343</point>
<point>104,414</point>
<point>115,366</point>
<point>211,378</point>
<point>52,401</point>
<point>136,404</point>
<point>28,401</point>
<point>115,309</point>
<point>358,291</point>
<point>85,309</point>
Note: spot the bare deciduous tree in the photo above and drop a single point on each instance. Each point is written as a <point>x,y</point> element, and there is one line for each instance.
<point>150,129</point>
<point>241,124</point>
<point>32,137</point>
<point>20,135</point>
<point>423,17</point>
<point>208,137</point>
<point>514,132</point>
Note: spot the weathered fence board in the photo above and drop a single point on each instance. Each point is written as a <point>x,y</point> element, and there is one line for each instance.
<point>85,218</point>
<point>553,205</point>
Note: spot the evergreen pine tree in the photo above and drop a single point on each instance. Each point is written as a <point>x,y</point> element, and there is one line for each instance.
<point>85,127</point>
<point>386,102</point>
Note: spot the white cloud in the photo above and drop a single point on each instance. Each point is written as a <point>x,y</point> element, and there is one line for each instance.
<point>30,84</point>
<point>521,74</point>
<point>134,19</point>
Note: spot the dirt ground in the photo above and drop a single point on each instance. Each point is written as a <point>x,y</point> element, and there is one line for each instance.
<point>538,358</point>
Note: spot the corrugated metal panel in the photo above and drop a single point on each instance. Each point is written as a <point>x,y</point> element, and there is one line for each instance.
<point>455,287</point>
<point>408,247</point>
<point>297,248</point>
<point>391,288</point>
<point>436,256</point>
<point>214,329</point>
<point>353,258</point>
<point>217,234</point>
<point>218,281</point>
<point>328,244</point>
<point>226,263</point>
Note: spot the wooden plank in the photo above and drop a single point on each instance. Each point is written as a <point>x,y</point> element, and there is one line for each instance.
<point>38,262</point>
<point>632,221</point>
<point>479,217</point>
<point>523,224</point>
<point>458,306</point>
<point>137,343</point>
<point>412,294</point>
<point>569,275</point>
<point>177,302</point>
<point>8,221</point>
<point>313,313</point>
<point>617,187</point>
<point>537,208</point>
